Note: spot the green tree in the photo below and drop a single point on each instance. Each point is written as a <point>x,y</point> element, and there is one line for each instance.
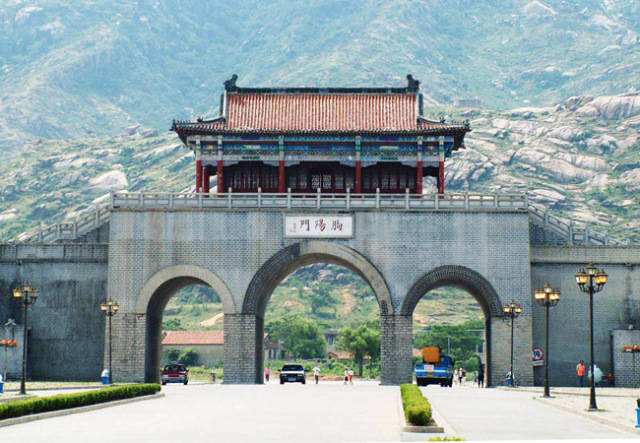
<point>322,299</point>
<point>172,324</point>
<point>189,357</point>
<point>172,355</point>
<point>362,341</point>
<point>300,336</point>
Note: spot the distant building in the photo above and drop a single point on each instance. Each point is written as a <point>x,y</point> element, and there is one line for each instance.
<point>208,344</point>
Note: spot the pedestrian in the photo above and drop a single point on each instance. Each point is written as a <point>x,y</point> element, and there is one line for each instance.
<point>481,376</point>
<point>346,376</point>
<point>350,376</point>
<point>581,370</point>
<point>464,374</point>
<point>267,374</point>
<point>460,376</point>
<point>316,373</point>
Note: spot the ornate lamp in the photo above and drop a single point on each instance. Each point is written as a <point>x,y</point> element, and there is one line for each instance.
<point>27,295</point>
<point>547,297</point>
<point>512,311</point>
<point>110,308</point>
<point>591,280</point>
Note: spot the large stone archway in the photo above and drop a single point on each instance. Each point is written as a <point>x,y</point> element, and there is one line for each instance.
<point>245,331</point>
<point>473,283</point>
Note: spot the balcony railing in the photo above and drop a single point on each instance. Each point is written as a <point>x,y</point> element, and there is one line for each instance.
<point>569,231</point>
<point>319,200</point>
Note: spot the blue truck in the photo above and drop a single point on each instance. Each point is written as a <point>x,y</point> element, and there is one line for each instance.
<point>435,368</point>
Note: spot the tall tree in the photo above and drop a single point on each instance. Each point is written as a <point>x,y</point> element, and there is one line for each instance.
<point>362,341</point>
<point>300,336</point>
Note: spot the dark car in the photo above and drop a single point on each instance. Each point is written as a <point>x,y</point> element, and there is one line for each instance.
<point>292,374</point>
<point>175,373</point>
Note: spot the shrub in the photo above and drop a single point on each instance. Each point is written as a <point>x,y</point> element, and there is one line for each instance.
<point>417,409</point>
<point>66,401</point>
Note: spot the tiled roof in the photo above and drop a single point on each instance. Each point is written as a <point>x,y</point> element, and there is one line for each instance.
<point>319,113</point>
<point>322,113</point>
<point>193,338</point>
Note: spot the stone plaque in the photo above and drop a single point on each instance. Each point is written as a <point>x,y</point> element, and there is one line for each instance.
<point>318,226</point>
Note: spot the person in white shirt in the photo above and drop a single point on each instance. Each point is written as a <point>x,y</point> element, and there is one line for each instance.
<point>316,373</point>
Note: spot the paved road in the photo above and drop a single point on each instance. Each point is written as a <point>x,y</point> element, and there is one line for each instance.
<point>493,414</point>
<point>329,412</point>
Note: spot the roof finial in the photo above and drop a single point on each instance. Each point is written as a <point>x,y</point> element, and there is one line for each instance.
<point>413,85</point>
<point>230,85</point>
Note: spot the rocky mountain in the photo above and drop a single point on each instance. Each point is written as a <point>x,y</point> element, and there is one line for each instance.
<point>86,69</point>
<point>581,158</point>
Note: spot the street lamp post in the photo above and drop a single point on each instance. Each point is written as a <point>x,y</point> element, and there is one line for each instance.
<point>110,308</point>
<point>27,295</point>
<point>512,311</point>
<point>591,280</point>
<point>547,297</point>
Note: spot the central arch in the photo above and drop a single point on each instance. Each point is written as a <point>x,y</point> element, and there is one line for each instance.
<point>295,256</point>
<point>274,270</point>
<point>468,280</point>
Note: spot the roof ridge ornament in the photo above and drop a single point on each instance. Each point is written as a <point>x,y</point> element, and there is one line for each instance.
<point>413,85</point>
<point>230,85</point>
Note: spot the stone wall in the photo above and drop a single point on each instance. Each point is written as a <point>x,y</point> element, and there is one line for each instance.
<point>67,327</point>
<point>616,307</point>
<point>391,249</point>
<point>626,365</point>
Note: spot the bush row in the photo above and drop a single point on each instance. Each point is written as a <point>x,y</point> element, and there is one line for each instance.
<point>65,401</point>
<point>417,409</point>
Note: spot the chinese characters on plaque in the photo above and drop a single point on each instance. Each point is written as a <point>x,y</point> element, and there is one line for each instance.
<point>319,226</point>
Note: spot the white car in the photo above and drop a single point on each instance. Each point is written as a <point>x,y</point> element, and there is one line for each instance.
<point>292,374</point>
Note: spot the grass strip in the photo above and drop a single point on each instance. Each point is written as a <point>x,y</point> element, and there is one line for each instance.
<point>66,401</point>
<point>417,409</point>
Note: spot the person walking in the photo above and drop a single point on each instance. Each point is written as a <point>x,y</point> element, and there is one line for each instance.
<point>316,373</point>
<point>267,374</point>
<point>460,376</point>
<point>481,376</point>
<point>581,370</point>
<point>346,376</point>
<point>350,376</point>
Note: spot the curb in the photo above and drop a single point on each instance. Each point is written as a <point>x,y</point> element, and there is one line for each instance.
<point>78,410</point>
<point>591,416</point>
<point>62,388</point>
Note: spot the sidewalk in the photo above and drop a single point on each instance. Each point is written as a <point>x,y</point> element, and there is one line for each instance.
<point>617,406</point>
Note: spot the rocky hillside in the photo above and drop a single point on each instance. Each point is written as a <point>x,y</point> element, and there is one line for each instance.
<point>71,70</point>
<point>581,158</point>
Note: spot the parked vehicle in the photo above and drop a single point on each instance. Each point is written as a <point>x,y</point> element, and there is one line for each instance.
<point>436,368</point>
<point>292,374</point>
<point>175,373</point>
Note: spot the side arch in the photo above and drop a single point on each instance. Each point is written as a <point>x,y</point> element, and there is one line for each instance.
<point>283,263</point>
<point>454,275</point>
<point>184,272</point>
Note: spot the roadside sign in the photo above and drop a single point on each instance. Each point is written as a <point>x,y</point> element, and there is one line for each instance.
<point>537,357</point>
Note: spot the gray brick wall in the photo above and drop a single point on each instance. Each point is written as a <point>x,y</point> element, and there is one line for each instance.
<point>626,365</point>
<point>67,327</point>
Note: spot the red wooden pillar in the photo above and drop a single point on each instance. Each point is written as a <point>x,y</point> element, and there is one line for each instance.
<point>282,185</point>
<point>220,176</point>
<point>206,180</point>
<point>441,173</point>
<point>198,175</point>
